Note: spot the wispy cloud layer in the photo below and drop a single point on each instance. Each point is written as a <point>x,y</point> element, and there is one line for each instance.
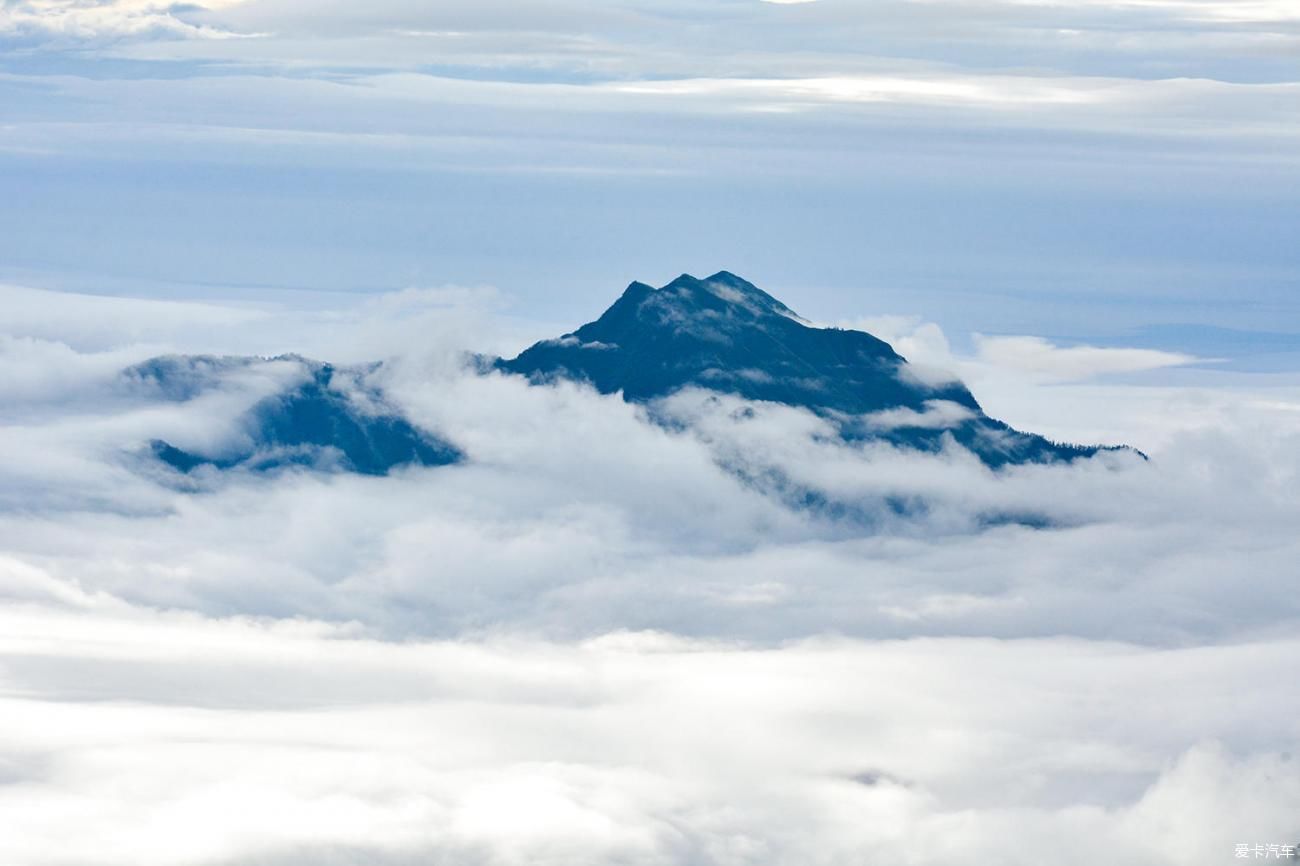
<point>169,738</point>
<point>1052,150</point>
<point>594,642</point>
<point>100,19</point>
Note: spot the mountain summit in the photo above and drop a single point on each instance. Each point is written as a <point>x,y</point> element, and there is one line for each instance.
<point>725,334</point>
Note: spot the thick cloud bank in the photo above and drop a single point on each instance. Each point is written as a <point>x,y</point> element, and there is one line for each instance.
<point>177,739</point>
<point>730,640</point>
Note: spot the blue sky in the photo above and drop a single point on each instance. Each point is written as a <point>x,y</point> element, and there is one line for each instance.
<point>1086,170</point>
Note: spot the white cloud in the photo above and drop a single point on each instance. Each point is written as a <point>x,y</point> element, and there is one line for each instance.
<point>1040,357</point>
<point>616,58</point>
<point>937,415</point>
<point>107,18</point>
<point>591,643</point>
<point>1202,11</point>
<point>925,344</point>
<point>312,746</point>
<point>100,321</point>
<point>949,90</point>
<point>568,514</point>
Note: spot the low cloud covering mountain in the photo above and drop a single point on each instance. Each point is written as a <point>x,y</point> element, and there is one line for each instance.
<point>669,348</point>
<point>607,633</point>
<point>321,417</point>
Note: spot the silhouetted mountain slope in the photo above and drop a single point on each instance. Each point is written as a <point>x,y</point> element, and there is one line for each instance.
<point>725,334</point>
<point>322,416</point>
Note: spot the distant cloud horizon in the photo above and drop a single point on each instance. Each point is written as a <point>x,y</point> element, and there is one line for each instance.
<point>998,167</point>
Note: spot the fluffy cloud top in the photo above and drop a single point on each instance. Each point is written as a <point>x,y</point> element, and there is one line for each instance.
<point>166,738</point>
<point>604,640</point>
<point>573,514</point>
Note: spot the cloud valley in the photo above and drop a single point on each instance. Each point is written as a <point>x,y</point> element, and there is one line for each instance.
<point>595,641</point>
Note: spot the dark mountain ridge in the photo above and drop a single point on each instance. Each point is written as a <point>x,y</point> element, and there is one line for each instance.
<point>316,420</point>
<point>721,334</point>
<point>725,334</point>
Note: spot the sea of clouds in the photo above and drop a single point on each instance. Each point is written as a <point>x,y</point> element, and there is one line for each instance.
<point>605,640</point>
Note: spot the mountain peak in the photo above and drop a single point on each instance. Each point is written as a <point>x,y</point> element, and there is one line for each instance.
<point>638,289</point>
<point>683,281</point>
<point>725,334</point>
<point>723,293</point>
